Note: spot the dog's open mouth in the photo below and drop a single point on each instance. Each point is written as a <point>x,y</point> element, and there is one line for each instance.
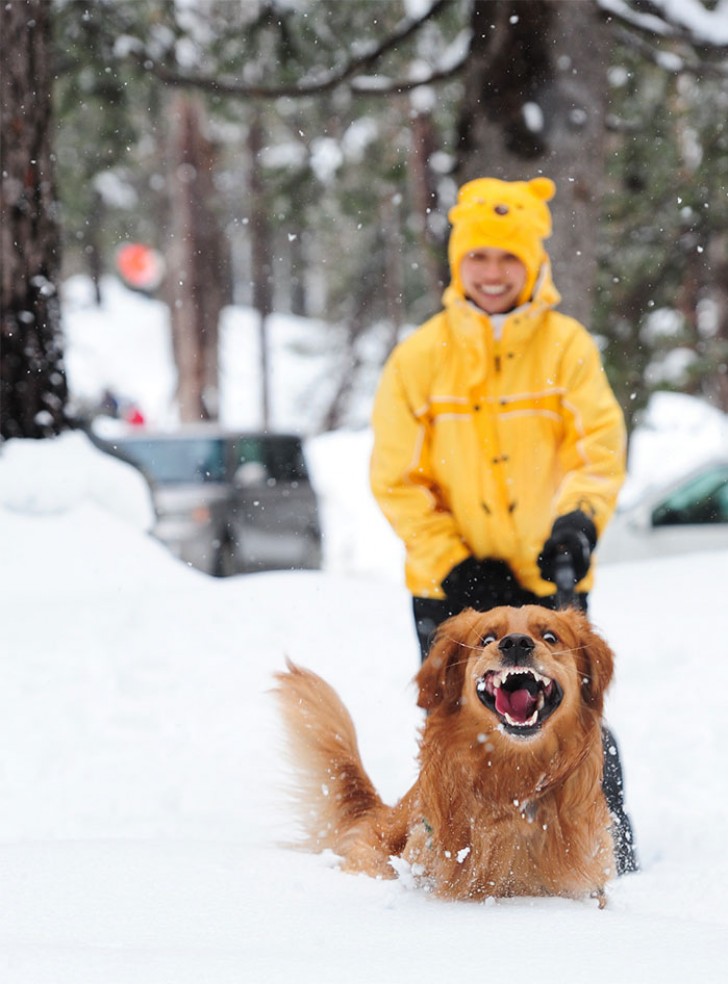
<point>520,696</point>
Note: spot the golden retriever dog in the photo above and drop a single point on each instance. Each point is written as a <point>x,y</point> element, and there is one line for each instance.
<point>508,800</point>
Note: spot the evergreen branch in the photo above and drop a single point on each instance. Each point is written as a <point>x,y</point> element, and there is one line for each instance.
<point>659,24</point>
<point>670,61</point>
<point>331,80</point>
<point>365,87</point>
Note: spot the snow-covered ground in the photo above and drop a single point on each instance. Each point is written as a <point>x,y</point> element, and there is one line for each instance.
<point>143,791</point>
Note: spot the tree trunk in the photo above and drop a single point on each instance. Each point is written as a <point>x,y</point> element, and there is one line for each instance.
<point>705,279</point>
<point>424,193</point>
<point>718,379</point>
<point>262,260</point>
<point>535,102</point>
<point>33,388</point>
<point>197,266</point>
<point>297,258</point>
<point>94,248</point>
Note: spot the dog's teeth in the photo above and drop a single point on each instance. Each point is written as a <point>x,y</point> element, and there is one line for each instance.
<point>522,724</point>
<point>524,670</point>
<point>540,700</point>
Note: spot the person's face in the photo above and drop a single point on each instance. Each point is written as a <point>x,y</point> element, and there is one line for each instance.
<point>493,278</point>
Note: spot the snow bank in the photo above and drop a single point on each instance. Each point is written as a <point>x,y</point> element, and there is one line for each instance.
<point>64,473</point>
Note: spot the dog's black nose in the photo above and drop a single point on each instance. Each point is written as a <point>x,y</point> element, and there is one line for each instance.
<point>516,648</point>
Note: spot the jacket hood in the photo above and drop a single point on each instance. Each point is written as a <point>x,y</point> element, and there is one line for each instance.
<point>545,296</point>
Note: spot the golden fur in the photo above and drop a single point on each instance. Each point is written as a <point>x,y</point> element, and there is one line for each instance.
<point>500,808</point>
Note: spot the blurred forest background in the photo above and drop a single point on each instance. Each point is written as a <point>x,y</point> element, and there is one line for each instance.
<point>301,155</point>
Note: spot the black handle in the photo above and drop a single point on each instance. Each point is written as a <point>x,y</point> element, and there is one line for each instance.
<point>565,580</point>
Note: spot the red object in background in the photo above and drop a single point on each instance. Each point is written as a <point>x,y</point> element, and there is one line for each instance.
<point>134,416</point>
<point>140,266</point>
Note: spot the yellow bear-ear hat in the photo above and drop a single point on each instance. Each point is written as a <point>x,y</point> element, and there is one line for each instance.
<point>508,215</point>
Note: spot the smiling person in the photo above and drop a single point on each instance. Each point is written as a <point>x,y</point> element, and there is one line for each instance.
<point>499,447</point>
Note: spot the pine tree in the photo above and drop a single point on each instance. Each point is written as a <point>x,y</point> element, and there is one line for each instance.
<point>33,390</point>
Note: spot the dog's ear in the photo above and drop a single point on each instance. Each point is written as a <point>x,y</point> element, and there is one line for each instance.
<point>596,663</point>
<point>440,680</point>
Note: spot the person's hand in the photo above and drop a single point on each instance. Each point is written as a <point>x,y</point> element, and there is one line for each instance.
<point>462,584</point>
<point>574,535</point>
<point>482,584</point>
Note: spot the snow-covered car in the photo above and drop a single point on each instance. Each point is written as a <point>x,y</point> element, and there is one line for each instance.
<point>228,502</point>
<point>686,515</point>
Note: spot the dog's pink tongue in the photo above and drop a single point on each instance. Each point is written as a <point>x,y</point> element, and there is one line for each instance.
<point>519,704</point>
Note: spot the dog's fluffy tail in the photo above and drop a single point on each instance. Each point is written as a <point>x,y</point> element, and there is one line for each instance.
<point>332,789</point>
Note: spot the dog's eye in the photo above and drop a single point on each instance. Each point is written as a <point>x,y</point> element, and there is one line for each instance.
<point>549,637</point>
<point>488,638</point>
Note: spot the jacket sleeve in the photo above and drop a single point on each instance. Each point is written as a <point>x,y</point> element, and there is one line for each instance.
<point>403,485</point>
<point>592,455</point>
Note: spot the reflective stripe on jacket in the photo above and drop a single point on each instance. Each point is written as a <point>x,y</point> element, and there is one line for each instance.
<point>484,434</point>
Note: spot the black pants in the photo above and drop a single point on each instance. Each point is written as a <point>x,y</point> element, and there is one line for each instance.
<point>431,612</point>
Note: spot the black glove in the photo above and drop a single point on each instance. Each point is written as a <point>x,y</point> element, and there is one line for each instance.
<point>574,535</point>
<point>482,584</point>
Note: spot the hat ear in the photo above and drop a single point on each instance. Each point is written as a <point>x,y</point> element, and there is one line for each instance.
<point>543,188</point>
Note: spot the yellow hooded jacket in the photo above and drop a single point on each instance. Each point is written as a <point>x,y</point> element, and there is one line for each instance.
<point>486,429</point>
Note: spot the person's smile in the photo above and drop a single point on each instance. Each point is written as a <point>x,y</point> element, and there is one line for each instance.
<point>493,279</point>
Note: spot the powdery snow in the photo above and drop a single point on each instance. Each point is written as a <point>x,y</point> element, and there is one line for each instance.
<point>144,814</point>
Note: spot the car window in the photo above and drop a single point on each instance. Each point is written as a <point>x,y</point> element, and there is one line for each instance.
<point>285,460</point>
<point>702,500</point>
<point>177,461</point>
<point>281,457</point>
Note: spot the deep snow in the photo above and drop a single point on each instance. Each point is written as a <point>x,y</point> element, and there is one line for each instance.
<point>143,806</point>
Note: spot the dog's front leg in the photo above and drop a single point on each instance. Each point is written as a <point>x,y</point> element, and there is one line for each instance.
<point>368,845</point>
